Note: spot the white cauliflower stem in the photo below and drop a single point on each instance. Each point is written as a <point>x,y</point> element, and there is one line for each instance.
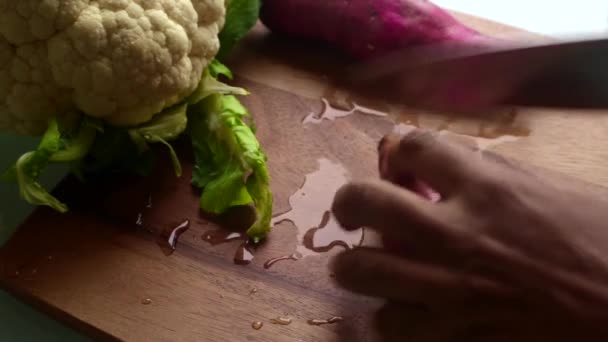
<point>119,60</point>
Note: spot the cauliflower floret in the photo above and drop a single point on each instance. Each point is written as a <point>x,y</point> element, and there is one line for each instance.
<point>119,60</point>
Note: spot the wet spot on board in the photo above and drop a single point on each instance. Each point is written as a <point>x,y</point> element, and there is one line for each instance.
<point>317,230</point>
<point>168,238</point>
<point>331,113</point>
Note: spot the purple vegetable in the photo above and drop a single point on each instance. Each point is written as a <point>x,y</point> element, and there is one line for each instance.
<point>366,29</point>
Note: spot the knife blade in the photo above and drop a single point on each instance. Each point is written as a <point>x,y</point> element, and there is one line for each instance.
<point>571,74</point>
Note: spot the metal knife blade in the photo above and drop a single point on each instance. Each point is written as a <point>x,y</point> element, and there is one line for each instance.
<point>472,78</point>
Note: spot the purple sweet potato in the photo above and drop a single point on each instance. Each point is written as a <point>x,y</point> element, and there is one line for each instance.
<point>365,29</point>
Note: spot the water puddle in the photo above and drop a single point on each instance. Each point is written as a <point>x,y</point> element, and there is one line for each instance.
<point>495,125</point>
<point>495,128</point>
<point>477,143</point>
<point>339,103</point>
<point>474,142</point>
<point>503,124</point>
<point>331,113</point>
<point>318,231</point>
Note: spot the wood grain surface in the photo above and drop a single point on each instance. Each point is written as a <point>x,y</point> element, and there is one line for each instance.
<point>100,268</point>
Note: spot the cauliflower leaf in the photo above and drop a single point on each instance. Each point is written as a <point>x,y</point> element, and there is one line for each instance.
<point>210,85</point>
<point>164,127</point>
<point>230,165</point>
<point>56,147</point>
<point>114,153</point>
<point>241,16</point>
<point>217,69</point>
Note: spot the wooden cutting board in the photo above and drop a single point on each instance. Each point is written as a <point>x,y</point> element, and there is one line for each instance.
<point>101,269</point>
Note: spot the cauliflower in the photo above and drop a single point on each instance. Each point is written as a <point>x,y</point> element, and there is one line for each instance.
<point>101,80</point>
<point>122,61</point>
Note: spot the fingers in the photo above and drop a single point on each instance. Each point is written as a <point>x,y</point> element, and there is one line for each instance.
<point>375,273</point>
<point>422,156</point>
<point>389,209</point>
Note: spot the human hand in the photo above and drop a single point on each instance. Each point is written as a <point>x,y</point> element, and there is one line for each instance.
<point>498,231</point>
<point>495,322</point>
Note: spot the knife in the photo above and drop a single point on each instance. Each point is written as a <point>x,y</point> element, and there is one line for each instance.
<point>568,74</point>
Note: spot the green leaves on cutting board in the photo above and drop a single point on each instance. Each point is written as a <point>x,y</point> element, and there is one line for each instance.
<point>230,165</point>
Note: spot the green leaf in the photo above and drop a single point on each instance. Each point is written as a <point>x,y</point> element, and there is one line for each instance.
<point>114,152</point>
<point>216,68</point>
<point>79,146</point>
<point>30,190</point>
<point>177,166</point>
<point>50,144</point>
<point>165,126</point>
<point>209,85</point>
<point>259,189</point>
<point>226,191</point>
<point>54,147</point>
<point>241,16</point>
<point>230,165</point>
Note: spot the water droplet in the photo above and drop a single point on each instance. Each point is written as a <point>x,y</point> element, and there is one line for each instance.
<point>149,204</point>
<point>253,291</point>
<point>257,325</point>
<point>168,238</point>
<point>220,236</point>
<point>140,220</point>
<point>295,256</point>
<point>146,301</point>
<point>281,321</point>
<point>243,255</point>
<point>312,210</point>
<point>332,320</point>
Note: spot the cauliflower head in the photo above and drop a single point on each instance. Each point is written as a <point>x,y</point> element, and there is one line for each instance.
<point>122,61</point>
